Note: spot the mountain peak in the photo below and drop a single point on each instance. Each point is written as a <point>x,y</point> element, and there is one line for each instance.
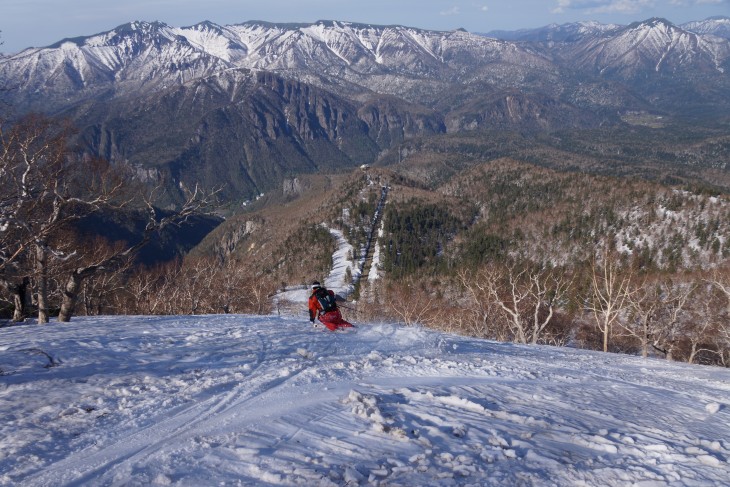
<point>654,22</point>
<point>717,26</point>
<point>654,28</point>
<point>659,21</point>
<point>141,26</point>
<point>206,24</point>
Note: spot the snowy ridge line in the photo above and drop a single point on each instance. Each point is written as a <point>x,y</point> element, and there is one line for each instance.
<point>154,53</point>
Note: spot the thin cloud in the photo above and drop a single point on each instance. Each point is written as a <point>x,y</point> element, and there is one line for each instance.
<point>687,3</point>
<point>451,11</point>
<point>604,6</point>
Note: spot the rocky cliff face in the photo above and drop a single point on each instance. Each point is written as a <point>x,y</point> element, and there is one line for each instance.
<point>246,131</point>
<point>514,109</point>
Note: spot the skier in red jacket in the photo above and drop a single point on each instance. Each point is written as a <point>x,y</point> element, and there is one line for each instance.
<point>323,306</point>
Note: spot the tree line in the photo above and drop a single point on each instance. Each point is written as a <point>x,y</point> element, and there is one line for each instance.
<point>601,305</point>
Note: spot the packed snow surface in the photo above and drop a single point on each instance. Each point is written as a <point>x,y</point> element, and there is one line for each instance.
<point>269,400</point>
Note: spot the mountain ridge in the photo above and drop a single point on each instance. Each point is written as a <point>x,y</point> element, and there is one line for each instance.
<point>259,45</point>
<point>386,83</point>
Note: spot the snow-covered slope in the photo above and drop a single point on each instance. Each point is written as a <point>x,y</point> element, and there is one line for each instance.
<point>151,55</point>
<point>717,26</point>
<point>141,55</point>
<point>654,45</point>
<point>267,400</point>
<point>571,32</point>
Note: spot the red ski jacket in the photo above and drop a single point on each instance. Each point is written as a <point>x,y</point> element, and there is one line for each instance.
<point>314,306</point>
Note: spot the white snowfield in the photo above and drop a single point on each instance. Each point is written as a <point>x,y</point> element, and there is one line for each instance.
<point>268,400</point>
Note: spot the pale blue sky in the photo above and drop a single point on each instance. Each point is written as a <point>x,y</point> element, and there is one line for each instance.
<point>26,23</point>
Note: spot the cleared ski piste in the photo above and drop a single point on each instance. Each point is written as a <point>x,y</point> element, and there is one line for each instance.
<point>336,280</point>
<point>251,400</point>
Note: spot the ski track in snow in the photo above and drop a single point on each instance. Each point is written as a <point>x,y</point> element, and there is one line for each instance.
<point>251,400</point>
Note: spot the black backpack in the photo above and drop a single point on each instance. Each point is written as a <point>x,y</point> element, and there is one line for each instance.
<point>326,300</point>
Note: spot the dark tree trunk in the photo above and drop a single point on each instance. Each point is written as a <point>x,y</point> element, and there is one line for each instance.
<point>20,301</point>
<point>71,292</point>
<point>42,271</point>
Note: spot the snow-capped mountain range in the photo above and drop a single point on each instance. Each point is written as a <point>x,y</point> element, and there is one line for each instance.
<point>718,26</point>
<point>570,32</point>
<point>382,59</point>
<point>652,45</point>
<point>575,31</point>
<point>306,96</point>
<point>411,63</point>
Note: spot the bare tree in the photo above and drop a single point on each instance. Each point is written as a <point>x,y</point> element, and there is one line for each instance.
<point>644,301</point>
<point>200,285</point>
<point>258,291</point>
<point>101,294</point>
<point>44,190</point>
<point>548,288</point>
<point>704,324</point>
<point>142,288</point>
<point>724,342</point>
<point>720,279</point>
<point>195,203</point>
<point>663,316</point>
<point>80,251</point>
<point>229,285</point>
<point>701,332</point>
<point>195,285</point>
<point>478,285</point>
<point>527,297</point>
<point>608,296</point>
<point>410,302</point>
<point>18,290</point>
<point>669,327</point>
